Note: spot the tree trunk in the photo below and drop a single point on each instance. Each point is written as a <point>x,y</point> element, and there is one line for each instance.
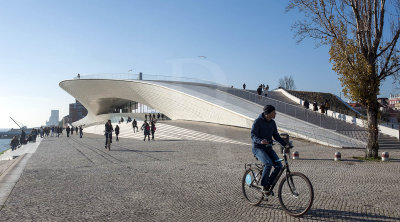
<point>372,146</point>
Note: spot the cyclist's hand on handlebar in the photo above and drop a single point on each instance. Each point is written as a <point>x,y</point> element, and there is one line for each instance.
<point>289,145</point>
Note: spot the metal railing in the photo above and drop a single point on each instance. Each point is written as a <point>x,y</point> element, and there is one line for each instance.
<point>144,76</point>
<point>299,112</point>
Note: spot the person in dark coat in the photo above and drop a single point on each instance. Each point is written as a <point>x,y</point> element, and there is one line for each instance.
<point>306,104</point>
<point>68,130</point>
<point>153,129</point>
<point>108,132</point>
<point>134,125</point>
<point>259,91</point>
<point>146,130</point>
<point>315,106</point>
<point>14,143</point>
<point>117,133</point>
<point>262,131</point>
<point>22,138</point>
<point>80,131</point>
<point>76,130</point>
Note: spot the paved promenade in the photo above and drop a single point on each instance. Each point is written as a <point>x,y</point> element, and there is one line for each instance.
<point>73,179</point>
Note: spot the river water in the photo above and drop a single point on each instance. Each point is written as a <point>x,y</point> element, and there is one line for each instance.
<point>4,144</point>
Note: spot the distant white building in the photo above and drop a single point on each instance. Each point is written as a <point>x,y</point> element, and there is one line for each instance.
<point>394,101</point>
<point>54,118</point>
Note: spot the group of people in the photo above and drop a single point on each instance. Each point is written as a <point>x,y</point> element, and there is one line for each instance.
<point>324,107</point>
<point>262,90</point>
<point>148,128</point>
<point>152,117</point>
<point>24,139</point>
<point>48,131</point>
<point>71,130</point>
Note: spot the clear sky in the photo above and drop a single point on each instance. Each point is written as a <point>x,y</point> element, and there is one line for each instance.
<point>43,42</point>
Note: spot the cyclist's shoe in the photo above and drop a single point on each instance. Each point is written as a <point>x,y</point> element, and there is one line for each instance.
<point>265,188</point>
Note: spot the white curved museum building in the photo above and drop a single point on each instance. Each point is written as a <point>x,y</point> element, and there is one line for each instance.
<point>105,98</point>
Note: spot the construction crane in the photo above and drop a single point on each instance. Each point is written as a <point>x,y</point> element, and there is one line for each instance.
<point>17,123</point>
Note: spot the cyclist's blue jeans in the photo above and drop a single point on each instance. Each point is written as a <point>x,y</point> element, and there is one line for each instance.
<point>108,135</point>
<point>269,158</point>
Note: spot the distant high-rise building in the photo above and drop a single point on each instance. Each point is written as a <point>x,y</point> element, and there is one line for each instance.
<point>54,117</point>
<point>65,121</point>
<point>76,111</point>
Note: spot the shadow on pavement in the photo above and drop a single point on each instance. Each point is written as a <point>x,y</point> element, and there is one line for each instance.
<point>335,215</point>
<point>147,151</point>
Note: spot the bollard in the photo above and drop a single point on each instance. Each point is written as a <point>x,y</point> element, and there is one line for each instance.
<point>385,156</point>
<point>338,156</point>
<point>295,155</point>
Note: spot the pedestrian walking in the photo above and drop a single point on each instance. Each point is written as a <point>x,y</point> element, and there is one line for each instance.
<point>117,133</point>
<point>76,130</point>
<point>80,131</point>
<point>134,125</point>
<point>153,129</point>
<point>68,130</point>
<point>146,130</point>
<point>244,86</point>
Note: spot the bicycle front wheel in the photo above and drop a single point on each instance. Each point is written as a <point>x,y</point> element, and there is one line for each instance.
<point>251,182</point>
<point>296,194</point>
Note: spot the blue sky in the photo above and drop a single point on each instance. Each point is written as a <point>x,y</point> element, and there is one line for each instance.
<point>45,42</point>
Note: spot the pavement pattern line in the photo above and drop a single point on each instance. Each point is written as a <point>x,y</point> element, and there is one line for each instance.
<point>165,132</point>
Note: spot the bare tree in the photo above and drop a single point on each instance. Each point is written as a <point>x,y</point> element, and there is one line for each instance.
<point>287,83</point>
<point>363,49</point>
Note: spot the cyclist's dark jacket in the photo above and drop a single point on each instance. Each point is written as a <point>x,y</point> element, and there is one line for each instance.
<point>264,129</point>
<point>108,128</point>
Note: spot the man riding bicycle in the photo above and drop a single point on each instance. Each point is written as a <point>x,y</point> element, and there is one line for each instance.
<point>262,131</point>
<point>108,132</point>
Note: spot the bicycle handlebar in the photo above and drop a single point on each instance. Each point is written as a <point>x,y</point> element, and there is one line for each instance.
<point>288,146</point>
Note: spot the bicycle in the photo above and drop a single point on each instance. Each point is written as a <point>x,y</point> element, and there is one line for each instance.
<point>295,192</point>
<point>108,139</point>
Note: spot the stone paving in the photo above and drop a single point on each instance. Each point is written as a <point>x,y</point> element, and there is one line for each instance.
<point>72,179</point>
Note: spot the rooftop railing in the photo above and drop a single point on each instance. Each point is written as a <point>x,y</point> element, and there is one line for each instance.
<point>144,76</point>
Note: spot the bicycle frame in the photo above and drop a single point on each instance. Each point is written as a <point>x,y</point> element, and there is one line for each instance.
<point>284,168</point>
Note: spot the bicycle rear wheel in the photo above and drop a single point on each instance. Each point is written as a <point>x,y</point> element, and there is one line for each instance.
<point>296,194</point>
<point>251,186</point>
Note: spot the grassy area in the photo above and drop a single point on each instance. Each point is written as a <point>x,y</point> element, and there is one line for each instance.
<point>368,158</point>
<point>4,151</point>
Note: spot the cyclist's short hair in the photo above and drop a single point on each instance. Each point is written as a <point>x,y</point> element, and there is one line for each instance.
<point>268,109</point>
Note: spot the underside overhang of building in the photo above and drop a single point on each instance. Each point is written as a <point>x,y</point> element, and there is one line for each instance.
<point>99,96</point>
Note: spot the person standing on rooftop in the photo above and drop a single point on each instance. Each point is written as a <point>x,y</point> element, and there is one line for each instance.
<point>259,91</point>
